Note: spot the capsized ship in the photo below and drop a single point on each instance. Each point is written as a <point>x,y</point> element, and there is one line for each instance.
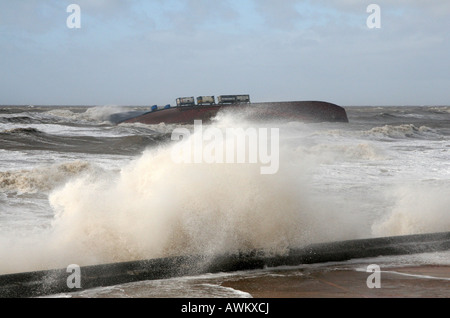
<point>206,109</point>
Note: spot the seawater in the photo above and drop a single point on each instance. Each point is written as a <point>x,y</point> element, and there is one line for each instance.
<point>78,189</point>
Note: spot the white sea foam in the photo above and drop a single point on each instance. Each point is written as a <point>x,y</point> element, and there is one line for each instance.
<point>418,208</point>
<point>203,286</point>
<point>43,178</point>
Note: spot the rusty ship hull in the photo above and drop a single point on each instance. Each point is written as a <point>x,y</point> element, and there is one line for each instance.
<point>305,111</point>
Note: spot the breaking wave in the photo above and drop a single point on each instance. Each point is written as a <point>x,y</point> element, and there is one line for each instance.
<point>157,208</point>
<point>417,209</point>
<point>26,131</point>
<point>42,179</point>
<point>97,114</point>
<point>440,109</point>
<point>401,131</point>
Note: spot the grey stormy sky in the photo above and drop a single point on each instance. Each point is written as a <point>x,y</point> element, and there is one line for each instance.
<point>144,52</point>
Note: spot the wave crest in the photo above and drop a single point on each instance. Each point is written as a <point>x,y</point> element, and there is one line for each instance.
<point>27,131</point>
<point>400,131</point>
<point>97,114</point>
<point>42,179</point>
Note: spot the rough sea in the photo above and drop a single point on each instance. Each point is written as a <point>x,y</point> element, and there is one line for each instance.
<point>76,188</point>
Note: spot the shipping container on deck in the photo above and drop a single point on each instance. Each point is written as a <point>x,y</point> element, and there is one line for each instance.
<point>185,101</point>
<point>233,99</point>
<point>206,100</point>
<point>243,98</point>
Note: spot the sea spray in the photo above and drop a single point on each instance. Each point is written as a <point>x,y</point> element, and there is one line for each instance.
<point>155,207</point>
<point>418,208</point>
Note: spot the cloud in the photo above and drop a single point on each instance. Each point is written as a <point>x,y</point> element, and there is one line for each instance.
<point>279,14</point>
<point>139,51</point>
<point>32,16</point>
